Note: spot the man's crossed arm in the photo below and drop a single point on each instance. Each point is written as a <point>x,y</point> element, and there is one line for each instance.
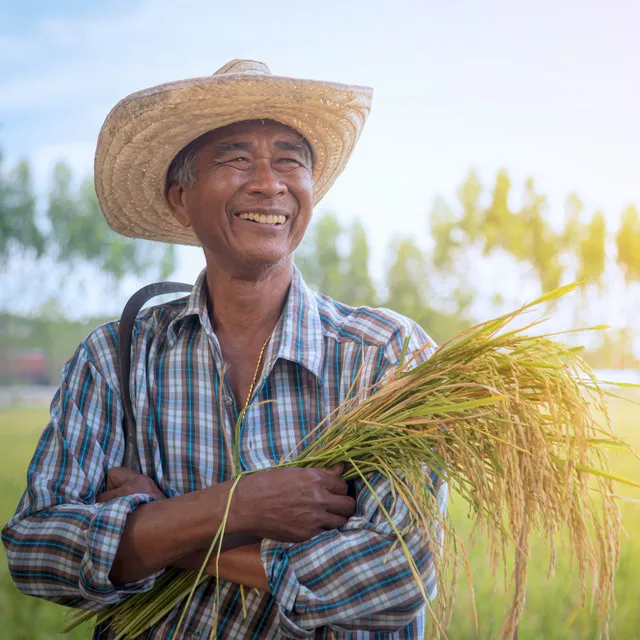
<point>178,531</point>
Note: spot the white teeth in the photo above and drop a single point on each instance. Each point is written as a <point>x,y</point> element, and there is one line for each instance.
<point>263,219</point>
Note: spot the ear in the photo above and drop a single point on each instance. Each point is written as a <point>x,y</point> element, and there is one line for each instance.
<point>177,199</point>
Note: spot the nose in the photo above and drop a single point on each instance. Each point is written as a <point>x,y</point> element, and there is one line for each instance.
<point>265,181</point>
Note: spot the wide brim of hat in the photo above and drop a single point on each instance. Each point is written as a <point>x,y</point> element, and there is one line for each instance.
<point>144,132</point>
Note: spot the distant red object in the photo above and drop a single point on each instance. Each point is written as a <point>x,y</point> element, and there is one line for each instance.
<point>25,366</point>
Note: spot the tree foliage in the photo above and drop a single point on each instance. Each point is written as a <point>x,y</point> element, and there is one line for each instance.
<point>73,231</point>
<point>436,287</point>
<point>358,283</point>
<point>536,242</point>
<point>498,219</point>
<point>524,233</point>
<point>572,222</point>
<point>318,257</point>
<point>407,278</point>
<point>442,226</point>
<point>592,250</point>
<point>471,222</point>
<point>18,228</point>
<point>79,233</point>
<point>343,275</point>
<point>628,244</point>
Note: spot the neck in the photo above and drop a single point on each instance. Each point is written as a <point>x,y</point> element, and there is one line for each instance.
<point>247,307</point>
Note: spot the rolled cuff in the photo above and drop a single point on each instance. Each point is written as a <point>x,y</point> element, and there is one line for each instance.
<point>102,540</point>
<point>285,588</point>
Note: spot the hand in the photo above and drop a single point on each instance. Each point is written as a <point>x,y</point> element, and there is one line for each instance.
<point>123,482</point>
<point>292,504</point>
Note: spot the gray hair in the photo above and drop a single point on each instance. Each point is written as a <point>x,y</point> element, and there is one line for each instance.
<point>182,170</point>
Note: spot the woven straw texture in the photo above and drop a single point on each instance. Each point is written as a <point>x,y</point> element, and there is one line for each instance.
<point>144,131</point>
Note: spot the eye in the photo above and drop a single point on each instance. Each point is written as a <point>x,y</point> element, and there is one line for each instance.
<point>291,161</point>
<point>239,162</point>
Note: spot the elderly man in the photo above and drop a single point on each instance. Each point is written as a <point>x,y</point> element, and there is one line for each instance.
<point>233,163</point>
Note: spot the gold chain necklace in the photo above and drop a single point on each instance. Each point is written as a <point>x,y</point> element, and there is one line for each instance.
<point>255,373</point>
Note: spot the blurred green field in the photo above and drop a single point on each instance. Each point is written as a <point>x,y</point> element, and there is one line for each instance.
<point>553,609</point>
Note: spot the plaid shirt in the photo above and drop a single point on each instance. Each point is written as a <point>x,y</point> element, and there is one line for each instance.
<point>347,583</point>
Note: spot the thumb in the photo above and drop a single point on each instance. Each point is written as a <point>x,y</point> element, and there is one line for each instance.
<point>117,476</point>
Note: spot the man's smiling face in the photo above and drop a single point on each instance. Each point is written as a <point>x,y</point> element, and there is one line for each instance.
<point>253,195</point>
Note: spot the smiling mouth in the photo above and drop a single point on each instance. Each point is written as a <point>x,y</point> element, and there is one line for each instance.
<point>261,218</point>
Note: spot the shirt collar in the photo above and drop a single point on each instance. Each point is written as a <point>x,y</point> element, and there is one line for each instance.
<point>297,336</point>
<point>196,306</point>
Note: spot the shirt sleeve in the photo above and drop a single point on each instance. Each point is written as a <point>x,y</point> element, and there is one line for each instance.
<point>358,577</point>
<point>60,543</point>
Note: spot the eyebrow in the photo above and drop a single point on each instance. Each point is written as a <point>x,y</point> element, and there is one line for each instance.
<point>301,147</point>
<point>229,147</point>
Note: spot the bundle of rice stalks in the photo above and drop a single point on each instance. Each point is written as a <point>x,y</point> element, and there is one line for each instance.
<point>509,420</point>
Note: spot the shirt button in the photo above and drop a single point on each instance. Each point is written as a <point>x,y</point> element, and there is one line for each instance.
<point>228,401</point>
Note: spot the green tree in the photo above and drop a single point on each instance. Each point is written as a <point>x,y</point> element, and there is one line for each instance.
<point>457,243</point>
<point>358,286</point>
<point>406,279</point>
<point>319,260</point>
<point>410,294</point>
<point>628,259</point>
<point>79,233</point>
<point>453,232</point>
<point>343,277</point>
<point>18,228</point>
<point>572,222</point>
<point>534,241</point>
<point>473,218</point>
<point>465,239</point>
<point>498,219</point>
<point>442,227</point>
<point>592,252</point>
<point>628,245</point>
<point>470,235</point>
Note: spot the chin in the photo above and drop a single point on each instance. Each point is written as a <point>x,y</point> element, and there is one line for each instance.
<point>265,262</point>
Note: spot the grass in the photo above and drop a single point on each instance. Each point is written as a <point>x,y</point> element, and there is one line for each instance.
<point>553,606</point>
<point>553,610</point>
<point>22,617</point>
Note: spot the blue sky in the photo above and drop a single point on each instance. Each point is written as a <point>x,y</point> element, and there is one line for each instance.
<point>547,89</point>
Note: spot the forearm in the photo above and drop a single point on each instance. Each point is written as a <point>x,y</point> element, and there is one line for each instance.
<point>355,577</point>
<point>159,533</point>
<point>241,565</point>
<point>349,579</point>
<point>63,553</point>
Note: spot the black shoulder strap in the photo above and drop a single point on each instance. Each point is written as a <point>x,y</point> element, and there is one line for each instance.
<point>127,321</point>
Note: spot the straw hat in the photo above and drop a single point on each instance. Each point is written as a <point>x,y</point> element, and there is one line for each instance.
<point>144,131</point>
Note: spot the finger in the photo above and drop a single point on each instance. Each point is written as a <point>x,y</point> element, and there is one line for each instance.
<point>341,506</point>
<point>117,476</point>
<point>112,494</point>
<point>332,521</point>
<point>335,485</point>
<point>335,470</point>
